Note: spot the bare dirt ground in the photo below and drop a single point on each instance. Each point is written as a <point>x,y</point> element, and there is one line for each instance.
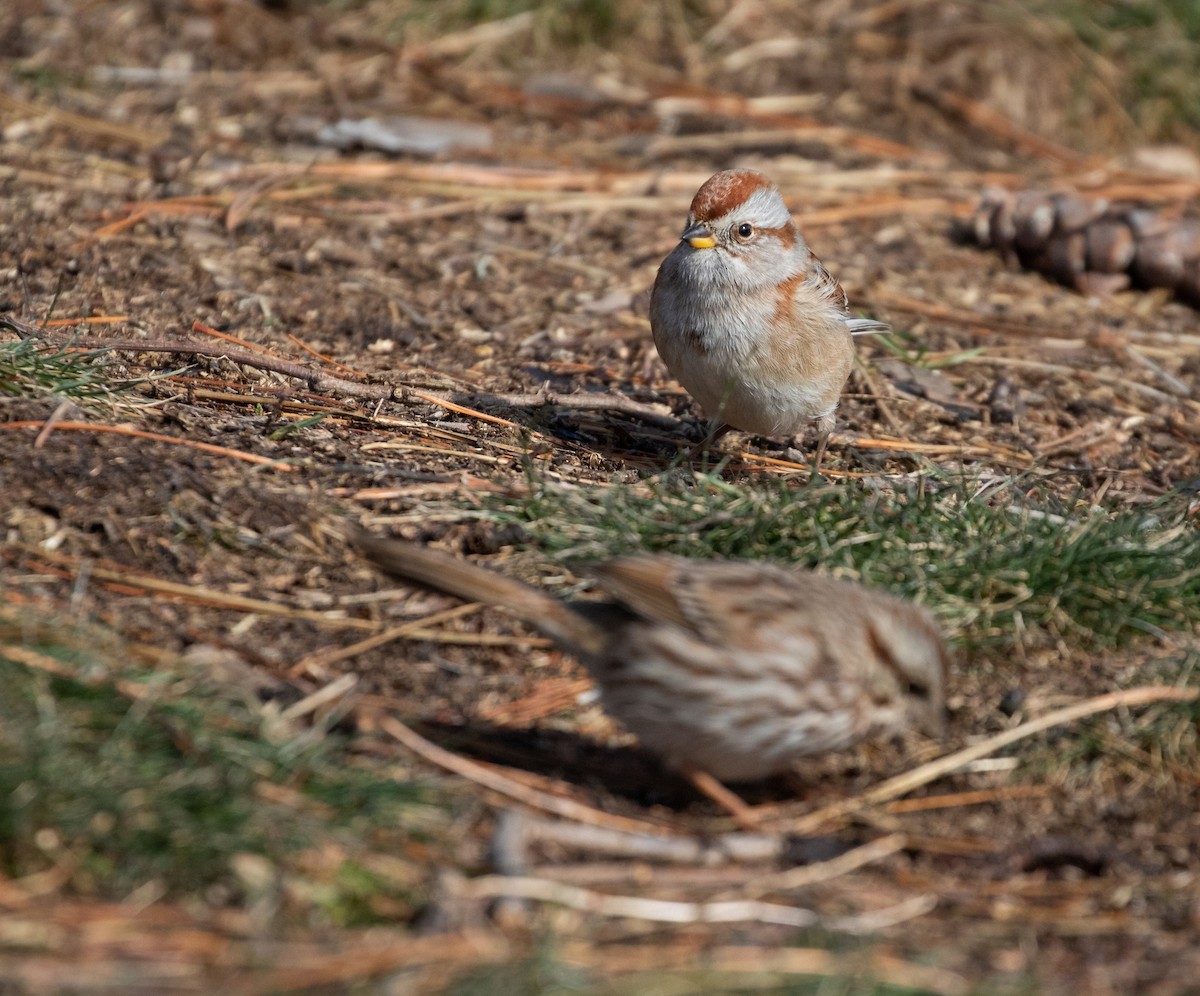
<point>196,202</point>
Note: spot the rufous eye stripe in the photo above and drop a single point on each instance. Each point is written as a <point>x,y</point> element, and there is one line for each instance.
<point>786,235</point>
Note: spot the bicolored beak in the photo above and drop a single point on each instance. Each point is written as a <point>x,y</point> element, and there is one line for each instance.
<point>698,236</point>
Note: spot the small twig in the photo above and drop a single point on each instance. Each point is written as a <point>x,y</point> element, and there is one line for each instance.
<point>668,146</point>
<point>906,782</point>
<point>337,689</point>
<point>670,911</point>
<point>992,121</point>
<point>979,797</point>
<point>57,323</point>
<point>468,40</point>
<point>1175,342</point>
<point>654,414</point>
<point>1074,373</point>
<point>322,382</point>
<point>140,137</point>
<point>337,966</point>
<point>520,830</point>
<point>315,379</point>
<point>823,871</point>
<point>51,422</point>
<point>877,395</point>
<point>327,360</point>
<point>157,437</point>
<point>323,658</point>
<point>552,695</point>
<point>51,665</point>
<point>201,596</point>
<point>744,960</point>
<point>1177,386</point>
<point>246,344</point>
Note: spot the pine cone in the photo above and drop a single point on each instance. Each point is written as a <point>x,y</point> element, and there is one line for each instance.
<point>1090,244</point>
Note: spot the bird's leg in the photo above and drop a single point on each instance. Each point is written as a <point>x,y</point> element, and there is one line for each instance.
<point>797,450</point>
<point>824,428</point>
<point>822,442</point>
<point>701,449</point>
<point>715,431</point>
<point>743,815</point>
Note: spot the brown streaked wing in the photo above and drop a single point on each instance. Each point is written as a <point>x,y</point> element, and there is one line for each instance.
<point>826,283</point>
<point>645,584</point>
<point>718,599</point>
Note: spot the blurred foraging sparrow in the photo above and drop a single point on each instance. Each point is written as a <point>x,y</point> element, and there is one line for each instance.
<point>727,670</point>
<point>747,319</point>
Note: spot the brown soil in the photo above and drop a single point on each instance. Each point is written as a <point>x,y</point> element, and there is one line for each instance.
<point>206,199</point>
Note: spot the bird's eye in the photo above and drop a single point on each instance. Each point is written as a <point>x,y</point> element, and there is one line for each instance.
<point>917,690</point>
<point>745,230</point>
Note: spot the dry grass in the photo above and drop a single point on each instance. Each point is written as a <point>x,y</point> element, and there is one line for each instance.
<point>235,761</point>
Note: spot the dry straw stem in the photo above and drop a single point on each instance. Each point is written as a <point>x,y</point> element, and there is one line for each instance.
<point>139,137</point>
<point>259,359</point>
<point>335,691</point>
<point>900,785</point>
<point>667,102</point>
<point>427,489</point>
<point>50,665</point>
<point>722,859</point>
<point>910,780</point>
<point>823,871</point>
<point>470,39</point>
<point>1174,341</point>
<point>550,696</point>
<point>1073,373</point>
<point>49,425</point>
<point>327,360</point>
<point>976,797</point>
<point>247,355</point>
<point>316,663</point>
<point>1002,127</point>
<point>471,187</point>
<point>725,143</point>
<point>384,953</point>
<point>173,206</point>
<point>194,386</point>
<point>1078,439</point>
<point>58,323</point>
<point>748,962</point>
<point>133,582</point>
<point>1131,187</point>
<point>516,830</point>
<point>1001,453</point>
<point>670,911</point>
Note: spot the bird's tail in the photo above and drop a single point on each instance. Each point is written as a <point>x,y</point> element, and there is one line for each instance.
<point>867,326</point>
<point>455,576</point>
